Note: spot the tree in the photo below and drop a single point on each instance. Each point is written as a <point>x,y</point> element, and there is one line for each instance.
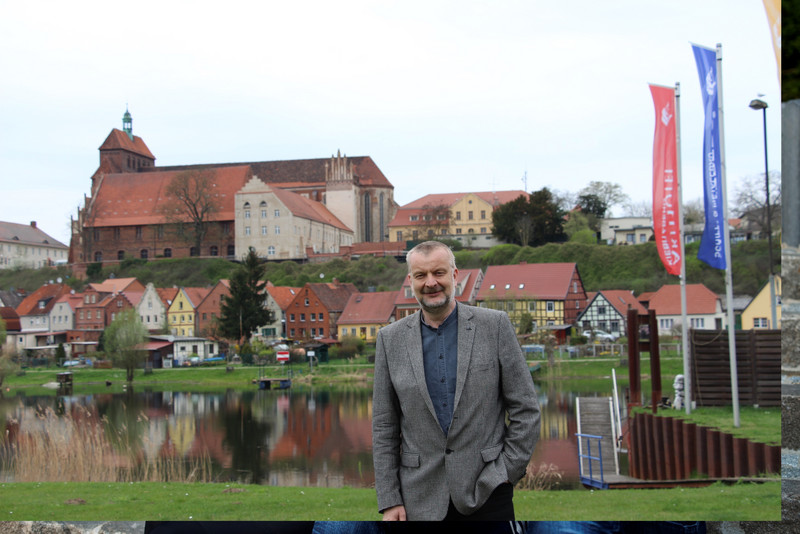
<point>610,194</point>
<point>533,221</point>
<point>594,208</point>
<point>243,311</point>
<point>638,209</point>
<point>124,341</point>
<point>434,222</point>
<point>694,212</point>
<point>191,204</point>
<point>576,221</point>
<point>751,200</point>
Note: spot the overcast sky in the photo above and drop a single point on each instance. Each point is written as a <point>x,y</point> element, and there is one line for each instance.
<point>443,95</point>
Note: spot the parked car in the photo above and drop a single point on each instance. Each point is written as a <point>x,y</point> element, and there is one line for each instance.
<point>599,335</point>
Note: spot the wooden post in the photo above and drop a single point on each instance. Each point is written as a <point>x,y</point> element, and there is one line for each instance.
<point>655,360</point>
<point>634,374</point>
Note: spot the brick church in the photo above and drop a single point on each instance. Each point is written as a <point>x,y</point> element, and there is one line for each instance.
<point>346,199</point>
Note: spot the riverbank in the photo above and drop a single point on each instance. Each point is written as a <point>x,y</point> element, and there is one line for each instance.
<point>85,501</point>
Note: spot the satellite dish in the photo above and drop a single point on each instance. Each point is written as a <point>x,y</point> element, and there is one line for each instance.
<point>322,275</point>
<point>59,280</point>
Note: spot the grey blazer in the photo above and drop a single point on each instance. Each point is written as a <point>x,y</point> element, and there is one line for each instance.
<point>416,465</point>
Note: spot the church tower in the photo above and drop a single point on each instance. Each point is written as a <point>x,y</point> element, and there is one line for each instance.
<point>127,124</point>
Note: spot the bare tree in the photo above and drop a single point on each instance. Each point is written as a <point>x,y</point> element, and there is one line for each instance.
<point>610,194</point>
<point>640,208</point>
<point>434,218</point>
<point>751,201</point>
<point>191,203</point>
<point>694,212</point>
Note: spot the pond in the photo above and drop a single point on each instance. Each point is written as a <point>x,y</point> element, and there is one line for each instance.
<point>294,437</point>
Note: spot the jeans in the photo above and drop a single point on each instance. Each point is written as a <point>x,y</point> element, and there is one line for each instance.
<point>391,527</point>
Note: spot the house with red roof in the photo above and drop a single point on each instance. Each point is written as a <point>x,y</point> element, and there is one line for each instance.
<point>280,224</point>
<point>314,312</point>
<point>703,308</point>
<point>126,213</point>
<point>276,299</point>
<point>468,282</point>
<point>551,293</point>
<point>365,314</point>
<point>209,309</point>
<point>465,217</point>
<point>182,313</point>
<point>93,313</point>
<point>608,311</point>
<point>34,317</point>
<point>152,307</point>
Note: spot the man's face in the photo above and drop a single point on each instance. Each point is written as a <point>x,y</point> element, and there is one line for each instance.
<point>433,280</point>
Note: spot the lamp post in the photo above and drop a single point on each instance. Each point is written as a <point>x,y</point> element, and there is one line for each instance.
<point>757,104</point>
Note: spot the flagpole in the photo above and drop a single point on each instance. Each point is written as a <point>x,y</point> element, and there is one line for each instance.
<point>687,353</point>
<point>727,238</point>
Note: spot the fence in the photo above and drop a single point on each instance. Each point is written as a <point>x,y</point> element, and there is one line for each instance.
<point>758,364</point>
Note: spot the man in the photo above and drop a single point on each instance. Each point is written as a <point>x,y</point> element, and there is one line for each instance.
<point>446,377</point>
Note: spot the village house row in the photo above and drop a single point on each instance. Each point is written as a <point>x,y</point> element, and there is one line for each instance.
<point>181,320</point>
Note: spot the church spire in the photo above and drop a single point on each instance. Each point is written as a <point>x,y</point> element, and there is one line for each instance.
<point>127,123</point>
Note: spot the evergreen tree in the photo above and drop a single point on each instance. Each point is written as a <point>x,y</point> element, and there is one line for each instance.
<point>533,221</point>
<point>243,311</point>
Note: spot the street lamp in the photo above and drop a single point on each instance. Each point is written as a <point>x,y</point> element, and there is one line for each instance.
<point>757,104</point>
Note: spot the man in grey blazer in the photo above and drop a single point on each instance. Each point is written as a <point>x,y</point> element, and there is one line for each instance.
<point>446,379</point>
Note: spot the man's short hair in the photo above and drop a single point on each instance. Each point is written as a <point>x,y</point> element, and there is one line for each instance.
<point>426,247</point>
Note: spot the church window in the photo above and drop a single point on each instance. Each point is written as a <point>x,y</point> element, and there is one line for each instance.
<point>160,231</point>
<point>143,254</point>
<point>214,250</point>
<point>120,254</point>
<point>98,256</point>
<point>96,235</point>
<point>194,252</point>
<point>231,250</point>
<point>138,232</point>
<point>167,252</point>
<point>116,232</point>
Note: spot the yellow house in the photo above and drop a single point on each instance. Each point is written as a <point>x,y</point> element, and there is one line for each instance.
<point>365,313</point>
<point>758,314</point>
<point>182,313</point>
<point>465,217</point>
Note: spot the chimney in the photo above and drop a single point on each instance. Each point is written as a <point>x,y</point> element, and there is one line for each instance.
<point>33,224</point>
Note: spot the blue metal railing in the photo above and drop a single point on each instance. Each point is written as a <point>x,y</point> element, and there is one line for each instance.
<point>590,480</point>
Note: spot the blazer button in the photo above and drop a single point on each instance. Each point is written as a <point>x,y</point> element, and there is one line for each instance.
<point>448,451</point>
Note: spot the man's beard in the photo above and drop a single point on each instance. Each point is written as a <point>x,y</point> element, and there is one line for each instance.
<point>433,308</point>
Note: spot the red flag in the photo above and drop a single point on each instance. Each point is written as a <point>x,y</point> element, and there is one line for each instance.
<point>666,208</point>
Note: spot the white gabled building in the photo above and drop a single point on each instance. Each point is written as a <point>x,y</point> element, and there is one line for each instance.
<point>23,245</point>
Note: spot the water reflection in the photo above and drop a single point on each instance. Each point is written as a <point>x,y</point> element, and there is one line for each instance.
<point>283,438</point>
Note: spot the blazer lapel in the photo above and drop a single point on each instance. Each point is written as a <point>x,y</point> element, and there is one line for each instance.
<point>466,336</point>
<point>414,350</point>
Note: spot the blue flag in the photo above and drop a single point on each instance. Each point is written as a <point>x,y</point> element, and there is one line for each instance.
<point>712,244</point>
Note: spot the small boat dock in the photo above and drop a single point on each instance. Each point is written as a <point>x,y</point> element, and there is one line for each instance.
<point>273,383</point>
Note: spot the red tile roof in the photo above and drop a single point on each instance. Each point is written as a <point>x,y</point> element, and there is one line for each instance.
<point>495,198</point>
<point>367,308</point>
<point>10,318</point>
<point>550,281</point>
<point>119,140</point>
<point>620,299</point>
<point>333,296</point>
<point>167,295</point>
<point>306,208</point>
<point>49,293</point>
<point>305,172</point>
<point>196,295</point>
<point>699,300</point>
<point>116,285</point>
<point>132,199</point>
<point>283,296</point>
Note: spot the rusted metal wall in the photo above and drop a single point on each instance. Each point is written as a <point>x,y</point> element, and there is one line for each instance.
<point>667,448</point>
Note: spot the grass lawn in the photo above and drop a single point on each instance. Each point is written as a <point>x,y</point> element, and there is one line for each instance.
<point>87,501</point>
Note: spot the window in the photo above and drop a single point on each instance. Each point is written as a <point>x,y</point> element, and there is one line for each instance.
<point>458,215</point>
<point>531,305</point>
<point>458,230</point>
<point>194,252</point>
<point>372,331</point>
<point>760,322</point>
<point>615,326</point>
<point>551,306</point>
<point>246,214</point>
<point>642,238</point>
<point>483,229</point>
<point>665,324</point>
<point>313,317</point>
<point>160,231</point>
<point>116,233</point>
<point>270,250</point>
<point>246,230</point>
<point>313,332</point>
<point>214,250</point>
<point>302,317</point>
<point>413,218</point>
<point>226,228</point>
<point>291,317</point>
<point>277,213</point>
<point>98,256</point>
<point>698,322</point>
<point>277,230</point>
<point>291,334</point>
<point>138,232</point>
<point>263,230</point>
<point>305,302</point>
<point>96,234</point>
<point>97,314</point>
<point>469,215</point>
<point>601,310</point>
<point>120,254</point>
<point>167,252</point>
<point>119,303</point>
<point>231,250</point>
<point>320,316</point>
<point>483,214</point>
<point>399,236</point>
<point>630,238</point>
<point>321,331</point>
<point>143,254</point>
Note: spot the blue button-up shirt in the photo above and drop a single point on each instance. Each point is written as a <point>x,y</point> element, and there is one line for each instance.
<point>440,358</point>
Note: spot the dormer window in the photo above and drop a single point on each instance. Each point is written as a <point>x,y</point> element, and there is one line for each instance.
<point>522,286</point>
<point>508,286</point>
